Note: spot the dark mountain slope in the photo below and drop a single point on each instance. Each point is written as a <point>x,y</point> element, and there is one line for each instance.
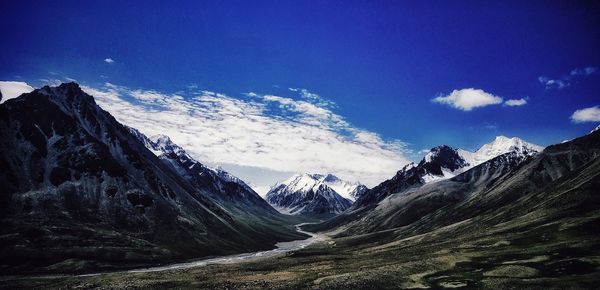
<point>440,158</point>
<point>225,188</point>
<point>79,192</point>
<point>228,191</point>
<point>505,182</point>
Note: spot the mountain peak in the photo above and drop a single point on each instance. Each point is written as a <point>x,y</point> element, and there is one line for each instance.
<point>438,151</point>
<point>314,194</point>
<point>503,144</point>
<point>306,194</point>
<point>160,138</point>
<point>70,88</point>
<point>331,178</point>
<point>67,95</point>
<point>503,139</point>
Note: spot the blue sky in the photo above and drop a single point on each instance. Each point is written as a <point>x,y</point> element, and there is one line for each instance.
<point>381,64</point>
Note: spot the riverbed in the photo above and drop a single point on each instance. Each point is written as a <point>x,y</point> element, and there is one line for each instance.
<point>281,248</point>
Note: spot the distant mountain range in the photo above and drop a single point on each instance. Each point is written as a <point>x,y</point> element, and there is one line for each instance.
<point>314,194</point>
<point>80,191</point>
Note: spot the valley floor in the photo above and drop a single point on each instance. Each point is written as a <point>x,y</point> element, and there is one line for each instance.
<point>558,255</point>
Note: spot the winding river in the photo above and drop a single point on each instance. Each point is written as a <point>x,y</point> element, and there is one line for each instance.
<point>282,247</point>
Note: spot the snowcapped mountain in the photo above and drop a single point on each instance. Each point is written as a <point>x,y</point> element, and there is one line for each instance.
<point>443,162</point>
<point>348,190</point>
<point>314,194</point>
<point>499,146</point>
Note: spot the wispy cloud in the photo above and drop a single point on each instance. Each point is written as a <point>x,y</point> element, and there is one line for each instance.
<point>566,80</point>
<point>586,71</point>
<point>109,60</point>
<point>312,97</point>
<point>51,81</point>
<point>489,126</point>
<point>515,102</point>
<point>261,130</point>
<point>591,114</point>
<point>468,99</point>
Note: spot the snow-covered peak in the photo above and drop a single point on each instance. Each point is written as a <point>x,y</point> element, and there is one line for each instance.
<point>161,139</point>
<point>312,194</point>
<point>443,162</point>
<point>305,182</point>
<point>162,146</point>
<point>347,189</point>
<point>502,145</point>
<point>595,129</point>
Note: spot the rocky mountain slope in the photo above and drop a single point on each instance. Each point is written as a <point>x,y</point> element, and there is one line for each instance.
<point>500,182</point>
<point>79,191</point>
<point>313,194</point>
<point>440,163</point>
<point>225,188</point>
<point>445,162</point>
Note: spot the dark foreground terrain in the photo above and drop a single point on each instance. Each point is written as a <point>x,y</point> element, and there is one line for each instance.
<point>523,253</point>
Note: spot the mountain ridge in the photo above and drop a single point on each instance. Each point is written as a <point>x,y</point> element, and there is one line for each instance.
<point>440,163</point>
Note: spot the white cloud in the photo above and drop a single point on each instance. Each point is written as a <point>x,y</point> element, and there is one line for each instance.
<point>586,71</point>
<point>266,132</point>
<point>109,60</point>
<point>51,82</point>
<point>312,97</point>
<point>468,99</point>
<point>515,102</point>
<point>551,83</point>
<point>11,90</point>
<point>591,114</point>
<point>488,126</point>
<point>565,80</point>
